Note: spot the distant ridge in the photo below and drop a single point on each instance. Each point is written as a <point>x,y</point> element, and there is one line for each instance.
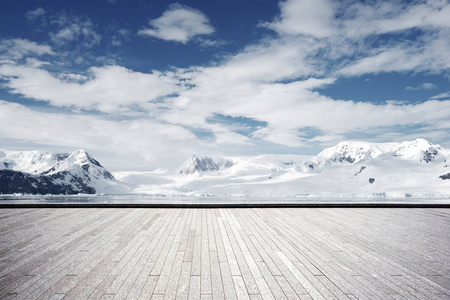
<point>205,164</point>
<point>415,168</point>
<point>35,172</point>
<point>349,169</point>
<point>352,152</point>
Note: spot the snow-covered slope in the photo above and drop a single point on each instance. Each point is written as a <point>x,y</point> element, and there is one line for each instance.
<point>38,172</point>
<point>205,163</point>
<point>80,167</point>
<point>33,162</point>
<point>420,150</point>
<point>416,168</point>
<point>353,152</point>
<point>349,169</point>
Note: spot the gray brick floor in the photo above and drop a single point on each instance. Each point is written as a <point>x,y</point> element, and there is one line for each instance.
<point>252,253</point>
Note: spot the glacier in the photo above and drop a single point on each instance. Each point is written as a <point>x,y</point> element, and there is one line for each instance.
<point>39,172</point>
<point>350,169</point>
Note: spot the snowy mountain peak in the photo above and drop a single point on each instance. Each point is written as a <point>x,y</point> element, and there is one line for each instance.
<point>81,164</point>
<point>81,157</point>
<point>352,152</point>
<point>37,172</point>
<point>419,150</point>
<point>33,162</point>
<point>204,164</point>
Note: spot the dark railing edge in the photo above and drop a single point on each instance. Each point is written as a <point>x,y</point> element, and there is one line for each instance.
<point>223,205</point>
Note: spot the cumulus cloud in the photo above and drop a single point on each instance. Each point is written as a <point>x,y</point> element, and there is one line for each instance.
<point>15,49</point>
<point>273,84</point>
<point>421,56</point>
<point>326,18</point>
<point>140,136</point>
<point>290,108</point>
<point>441,96</point>
<point>348,34</point>
<point>32,15</point>
<point>65,28</point>
<point>423,86</point>
<point>120,36</point>
<point>70,29</point>
<point>36,63</point>
<point>361,19</point>
<point>309,17</point>
<point>226,136</point>
<point>106,89</point>
<point>266,62</point>
<point>428,14</point>
<point>179,23</point>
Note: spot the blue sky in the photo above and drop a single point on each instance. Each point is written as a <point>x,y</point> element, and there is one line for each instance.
<point>146,84</point>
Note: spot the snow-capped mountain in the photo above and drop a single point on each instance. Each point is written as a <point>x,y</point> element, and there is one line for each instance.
<point>353,152</point>
<point>420,150</point>
<point>349,169</point>
<point>204,164</point>
<point>34,162</point>
<point>409,169</point>
<point>35,172</point>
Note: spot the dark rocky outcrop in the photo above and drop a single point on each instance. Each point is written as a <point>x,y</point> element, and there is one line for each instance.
<point>205,164</point>
<point>429,155</point>
<point>18,182</point>
<point>445,176</point>
<point>362,169</point>
<point>77,173</point>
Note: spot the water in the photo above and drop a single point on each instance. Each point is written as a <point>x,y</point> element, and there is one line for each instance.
<point>186,200</point>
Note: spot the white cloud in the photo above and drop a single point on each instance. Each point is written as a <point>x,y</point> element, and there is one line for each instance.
<point>69,77</point>
<point>226,136</point>
<point>288,108</point>
<point>318,18</point>
<point>108,89</point>
<point>32,15</point>
<point>423,86</point>
<point>142,137</point>
<point>285,137</point>
<point>36,63</point>
<point>432,13</point>
<point>360,19</point>
<point>15,49</point>
<point>120,36</point>
<point>397,102</point>
<point>246,85</point>
<point>74,30</point>
<point>180,24</point>
<point>348,35</point>
<point>274,82</point>
<point>441,96</point>
<point>309,17</point>
<point>271,61</point>
<point>419,57</point>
